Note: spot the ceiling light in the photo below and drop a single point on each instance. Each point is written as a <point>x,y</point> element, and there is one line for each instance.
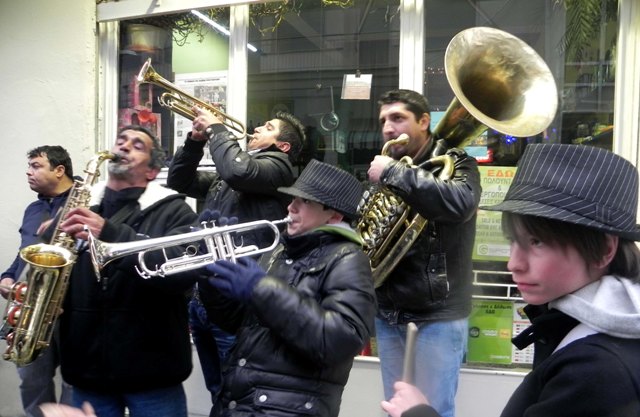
<point>219,27</point>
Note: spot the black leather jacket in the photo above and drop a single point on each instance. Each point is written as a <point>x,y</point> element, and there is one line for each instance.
<point>297,337</point>
<point>433,280</point>
<point>244,185</point>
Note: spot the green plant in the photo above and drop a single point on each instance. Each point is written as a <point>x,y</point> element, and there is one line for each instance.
<point>583,23</point>
<point>182,25</point>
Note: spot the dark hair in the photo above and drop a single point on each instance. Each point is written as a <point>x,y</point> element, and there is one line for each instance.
<point>158,156</point>
<point>416,103</point>
<point>292,132</point>
<point>57,155</point>
<point>590,244</point>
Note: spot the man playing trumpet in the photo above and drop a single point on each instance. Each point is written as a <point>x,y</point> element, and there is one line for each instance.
<point>244,185</point>
<point>304,312</point>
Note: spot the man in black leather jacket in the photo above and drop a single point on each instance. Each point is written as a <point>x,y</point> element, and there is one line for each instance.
<point>302,315</point>
<point>244,185</point>
<point>431,285</point>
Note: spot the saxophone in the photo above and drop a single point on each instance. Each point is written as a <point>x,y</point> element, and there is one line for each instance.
<point>34,303</point>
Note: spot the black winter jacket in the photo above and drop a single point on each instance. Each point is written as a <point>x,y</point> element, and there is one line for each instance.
<point>558,387</point>
<point>123,333</point>
<point>594,376</point>
<point>433,280</point>
<point>297,337</point>
<point>244,185</point>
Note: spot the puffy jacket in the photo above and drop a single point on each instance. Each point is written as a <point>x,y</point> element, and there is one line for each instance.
<point>124,333</point>
<point>433,280</point>
<point>297,337</point>
<point>244,185</point>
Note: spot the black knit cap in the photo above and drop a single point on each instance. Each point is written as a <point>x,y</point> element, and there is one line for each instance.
<point>328,185</point>
<point>576,184</point>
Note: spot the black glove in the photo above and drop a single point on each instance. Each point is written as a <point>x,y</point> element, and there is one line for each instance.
<point>236,280</point>
<point>213,216</point>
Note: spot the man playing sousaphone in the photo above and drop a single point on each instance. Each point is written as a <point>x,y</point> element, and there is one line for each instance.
<point>431,284</point>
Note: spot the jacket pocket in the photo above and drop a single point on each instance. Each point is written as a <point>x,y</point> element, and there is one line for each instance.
<point>437,282</point>
<point>294,402</point>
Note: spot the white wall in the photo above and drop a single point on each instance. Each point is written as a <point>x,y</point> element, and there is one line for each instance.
<point>47,93</point>
<point>47,89</point>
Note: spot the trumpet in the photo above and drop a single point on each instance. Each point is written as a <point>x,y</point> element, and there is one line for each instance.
<point>219,242</point>
<point>180,102</point>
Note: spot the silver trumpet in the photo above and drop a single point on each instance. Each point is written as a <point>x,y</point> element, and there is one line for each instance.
<point>219,242</point>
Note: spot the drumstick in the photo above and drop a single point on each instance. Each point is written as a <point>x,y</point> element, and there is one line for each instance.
<point>410,353</point>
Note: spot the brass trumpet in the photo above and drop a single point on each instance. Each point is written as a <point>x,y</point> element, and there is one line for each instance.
<point>180,102</point>
<point>219,241</point>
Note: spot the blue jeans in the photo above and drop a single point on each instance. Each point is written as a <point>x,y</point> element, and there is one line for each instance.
<point>163,402</point>
<point>37,385</point>
<point>440,349</point>
<point>213,345</point>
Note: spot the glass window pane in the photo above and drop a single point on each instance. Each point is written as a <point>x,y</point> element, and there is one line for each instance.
<point>576,39</point>
<point>185,52</point>
<point>302,59</point>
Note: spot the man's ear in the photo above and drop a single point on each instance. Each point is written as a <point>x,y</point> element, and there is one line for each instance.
<point>283,146</point>
<point>59,170</point>
<point>424,121</point>
<point>336,217</point>
<point>152,173</point>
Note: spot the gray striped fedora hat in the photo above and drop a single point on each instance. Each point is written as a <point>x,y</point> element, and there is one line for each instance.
<point>577,184</point>
<point>327,185</point>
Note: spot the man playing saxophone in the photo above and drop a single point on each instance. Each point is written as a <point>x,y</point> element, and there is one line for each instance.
<point>431,284</point>
<point>244,186</point>
<point>50,174</point>
<point>125,340</point>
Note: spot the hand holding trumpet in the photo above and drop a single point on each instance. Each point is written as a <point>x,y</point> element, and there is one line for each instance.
<point>203,119</point>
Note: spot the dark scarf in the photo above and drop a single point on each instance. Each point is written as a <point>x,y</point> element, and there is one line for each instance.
<point>113,200</point>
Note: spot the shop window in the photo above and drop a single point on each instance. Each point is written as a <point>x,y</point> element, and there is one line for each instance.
<point>184,50</point>
<point>577,41</point>
<point>303,62</point>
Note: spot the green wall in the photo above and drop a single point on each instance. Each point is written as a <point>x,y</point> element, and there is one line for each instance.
<point>212,54</point>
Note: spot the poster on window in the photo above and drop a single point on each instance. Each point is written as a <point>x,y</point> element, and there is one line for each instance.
<point>210,87</point>
<point>520,323</point>
<point>490,326</point>
<point>490,244</point>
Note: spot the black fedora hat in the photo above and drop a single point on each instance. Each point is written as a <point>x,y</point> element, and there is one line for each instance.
<point>577,184</point>
<point>328,185</point>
